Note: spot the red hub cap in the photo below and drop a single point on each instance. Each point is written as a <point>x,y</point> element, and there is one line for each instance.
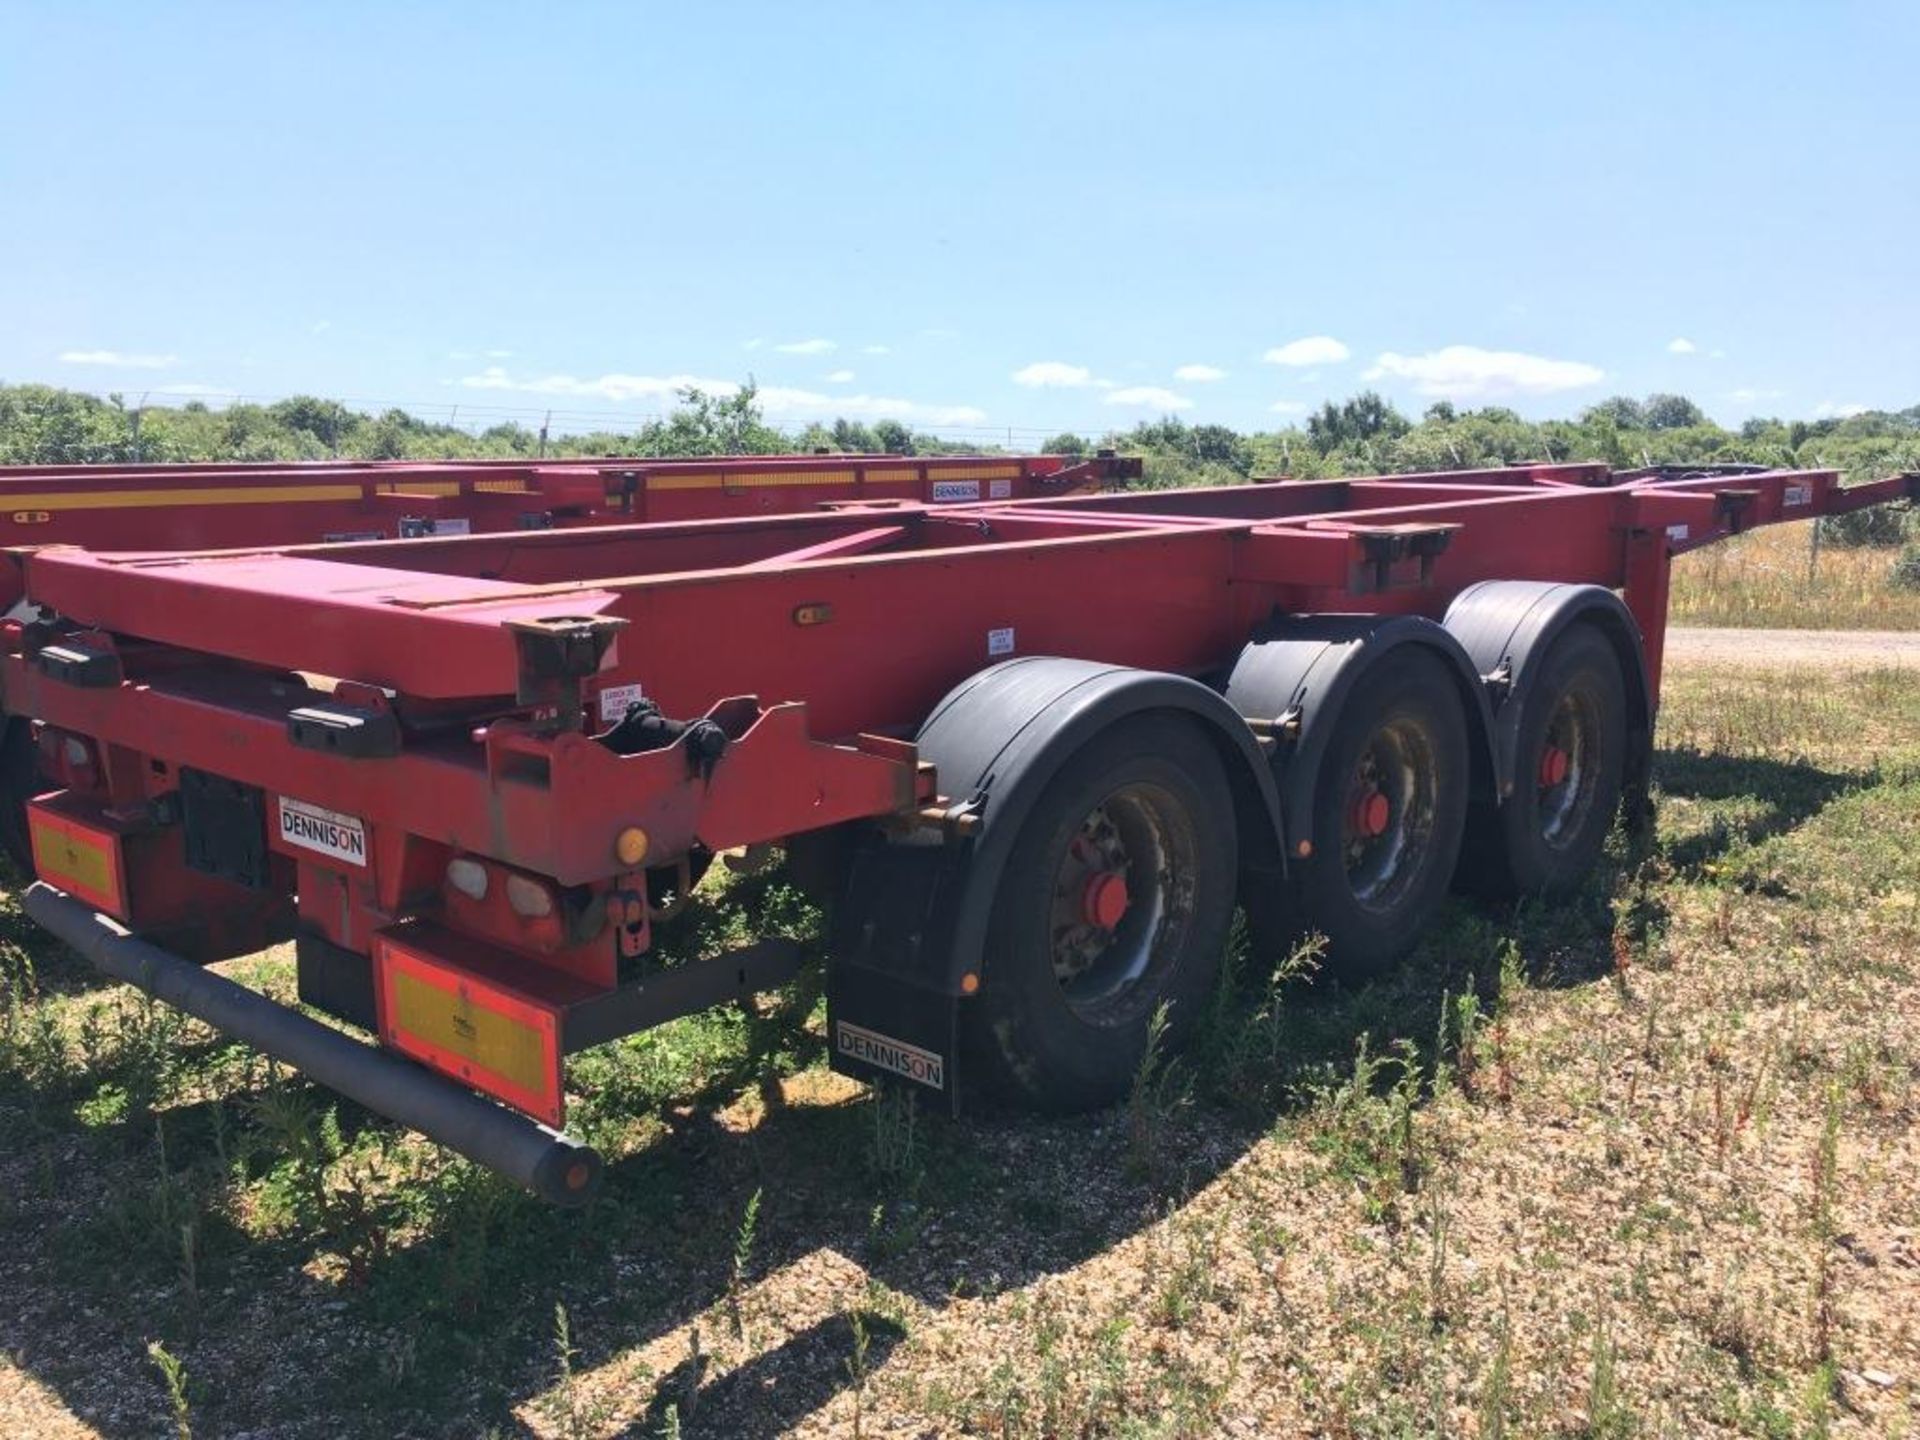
<point>1553,767</point>
<point>1369,816</point>
<point>1104,902</point>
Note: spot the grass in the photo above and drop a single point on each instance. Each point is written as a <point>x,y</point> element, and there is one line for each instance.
<point>1772,578</point>
<point>1642,1164</point>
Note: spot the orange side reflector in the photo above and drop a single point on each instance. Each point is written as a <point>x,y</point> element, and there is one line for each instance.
<point>470,1028</point>
<point>83,860</point>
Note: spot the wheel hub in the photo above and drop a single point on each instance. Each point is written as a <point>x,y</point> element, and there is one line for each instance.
<point>1369,815</point>
<point>1104,901</point>
<point>1387,823</point>
<point>1122,893</point>
<point>1554,764</point>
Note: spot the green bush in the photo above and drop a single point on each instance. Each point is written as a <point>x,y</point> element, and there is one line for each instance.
<point>1881,525</point>
<point>1906,569</point>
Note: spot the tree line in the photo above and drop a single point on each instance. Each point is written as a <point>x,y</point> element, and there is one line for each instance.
<point>1364,434</point>
<point>45,425</point>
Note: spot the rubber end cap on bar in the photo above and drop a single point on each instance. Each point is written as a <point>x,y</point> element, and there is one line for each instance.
<point>568,1175</point>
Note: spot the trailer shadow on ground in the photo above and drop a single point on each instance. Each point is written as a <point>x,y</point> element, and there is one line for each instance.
<point>326,1277</point>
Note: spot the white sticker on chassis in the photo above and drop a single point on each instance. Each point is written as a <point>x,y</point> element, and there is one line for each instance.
<point>614,701</point>
<point>325,832</point>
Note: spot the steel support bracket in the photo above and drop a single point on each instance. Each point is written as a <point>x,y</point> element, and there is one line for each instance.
<point>1734,506</point>
<point>1384,546</point>
<point>555,650</point>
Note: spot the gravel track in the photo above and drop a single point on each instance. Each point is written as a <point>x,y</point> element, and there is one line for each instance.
<point>1771,649</point>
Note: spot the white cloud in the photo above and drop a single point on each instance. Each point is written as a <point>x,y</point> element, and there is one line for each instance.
<point>1466,372</point>
<point>876,349</point>
<point>193,391</point>
<point>775,401</point>
<point>1288,407</point>
<point>1199,374</point>
<point>1680,345</point>
<point>606,387</point>
<point>1312,350</point>
<point>807,347</point>
<point>1053,373</point>
<point>1747,395</point>
<point>753,344</point>
<point>498,354</point>
<point>780,401</point>
<point>839,377</point>
<point>320,327</point>
<point>119,359</point>
<point>1835,410</point>
<point>1149,397</point>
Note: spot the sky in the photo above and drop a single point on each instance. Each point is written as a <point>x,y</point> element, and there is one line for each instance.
<point>1002,220</point>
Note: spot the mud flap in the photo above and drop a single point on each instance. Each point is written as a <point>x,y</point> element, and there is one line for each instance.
<point>885,1029</point>
<point>333,978</point>
<point>892,1013</point>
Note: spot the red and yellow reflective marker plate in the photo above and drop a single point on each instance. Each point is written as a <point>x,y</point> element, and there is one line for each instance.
<point>469,1028</point>
<point>83,860</point>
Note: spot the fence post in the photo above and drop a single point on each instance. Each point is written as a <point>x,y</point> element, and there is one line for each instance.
<point>1813,542</point>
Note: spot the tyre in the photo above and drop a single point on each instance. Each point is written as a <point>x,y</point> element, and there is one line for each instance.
<point>1569,762</point>
<point>1389,810</point>
<point>1117,898</point>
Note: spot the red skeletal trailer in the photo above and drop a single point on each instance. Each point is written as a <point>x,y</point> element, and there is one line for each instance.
<point>1033,751</point>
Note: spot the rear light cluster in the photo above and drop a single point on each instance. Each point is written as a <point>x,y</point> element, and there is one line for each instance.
<point>528,896</point>
<point>72,760</point>
<point>469,877</point>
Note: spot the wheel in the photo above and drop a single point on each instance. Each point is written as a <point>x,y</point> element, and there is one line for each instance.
<point>1569,763</point>
<point>1117,897</point>
<point>1389,808</point>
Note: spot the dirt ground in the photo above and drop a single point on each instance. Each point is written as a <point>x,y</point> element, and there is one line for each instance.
<point>1771,649</point>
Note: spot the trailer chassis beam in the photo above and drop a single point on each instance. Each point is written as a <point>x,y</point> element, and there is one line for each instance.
<point>687,990</point>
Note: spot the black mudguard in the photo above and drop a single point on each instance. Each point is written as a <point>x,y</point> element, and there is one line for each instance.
<point>1508,626</point>
<point>910,925</point>
<point>1295,676</point>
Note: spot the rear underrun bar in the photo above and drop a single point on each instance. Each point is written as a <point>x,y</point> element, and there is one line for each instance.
<point>553,1166</point>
